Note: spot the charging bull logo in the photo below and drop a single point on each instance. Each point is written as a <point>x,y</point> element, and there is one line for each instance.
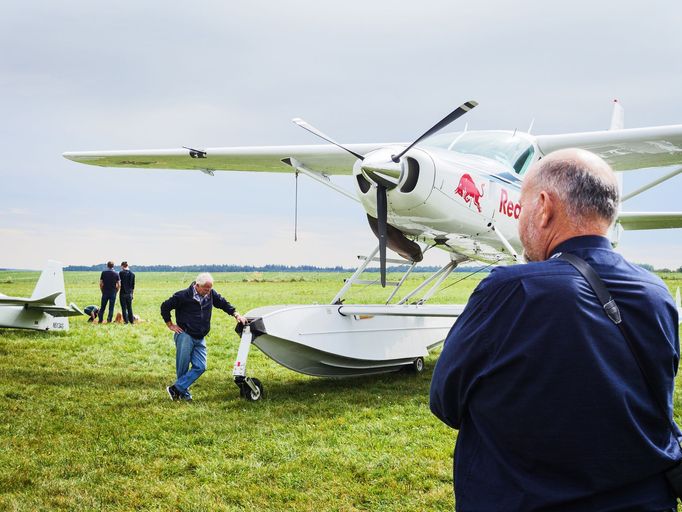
<point>468,191</point>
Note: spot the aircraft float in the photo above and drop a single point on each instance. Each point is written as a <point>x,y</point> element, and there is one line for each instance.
<point>455,191</point>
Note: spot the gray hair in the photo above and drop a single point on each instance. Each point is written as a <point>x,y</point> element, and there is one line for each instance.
<point>204,278</point>
<point>585,184</point>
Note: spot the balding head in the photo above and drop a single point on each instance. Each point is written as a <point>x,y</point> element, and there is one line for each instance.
<point>568,193</point>
<point>584,183</point>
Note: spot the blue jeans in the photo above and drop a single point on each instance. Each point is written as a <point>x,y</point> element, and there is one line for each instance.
<point>188,350</point>
<point>111,299</point>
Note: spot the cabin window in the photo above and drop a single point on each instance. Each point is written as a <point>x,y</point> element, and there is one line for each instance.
<point>523,162</point>
<point>514,150</point>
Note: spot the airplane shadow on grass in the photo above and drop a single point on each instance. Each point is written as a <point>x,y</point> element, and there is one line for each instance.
<point>398,385</point>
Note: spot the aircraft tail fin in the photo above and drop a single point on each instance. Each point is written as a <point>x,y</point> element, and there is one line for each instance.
<point>617,116</point>
<point>51,282</point>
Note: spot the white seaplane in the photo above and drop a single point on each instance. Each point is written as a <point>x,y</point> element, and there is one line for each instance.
<point>46,309</point>
<point>457,191</point>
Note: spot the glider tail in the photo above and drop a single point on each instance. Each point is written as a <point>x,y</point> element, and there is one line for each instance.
<point>51,281</point>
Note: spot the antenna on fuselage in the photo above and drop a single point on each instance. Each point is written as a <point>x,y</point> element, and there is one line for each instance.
<point>617,116</point>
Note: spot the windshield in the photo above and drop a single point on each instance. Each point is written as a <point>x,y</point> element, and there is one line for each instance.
<point>515,151</point>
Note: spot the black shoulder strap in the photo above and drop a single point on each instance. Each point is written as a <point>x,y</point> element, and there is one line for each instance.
<point>612,311</point>
<point>596,283</point>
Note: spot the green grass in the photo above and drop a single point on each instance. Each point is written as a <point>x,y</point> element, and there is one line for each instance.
<point>86,423</point>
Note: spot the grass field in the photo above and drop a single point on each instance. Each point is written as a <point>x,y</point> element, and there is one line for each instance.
<point>86,423</point>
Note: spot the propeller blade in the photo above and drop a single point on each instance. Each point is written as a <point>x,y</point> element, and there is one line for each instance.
<point>382,214</point>
<point>452,116</point>
<point>300,122</point>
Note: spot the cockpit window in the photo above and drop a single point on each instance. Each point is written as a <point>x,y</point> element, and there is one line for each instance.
<point>513,150</point>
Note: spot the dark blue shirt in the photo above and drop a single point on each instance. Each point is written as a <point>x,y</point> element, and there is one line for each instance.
<point>552,410</point>
<point>109,277</point>
<point>193,316</point>
<point>127,282</point>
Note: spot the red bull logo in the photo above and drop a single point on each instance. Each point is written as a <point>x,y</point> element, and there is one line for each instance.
<point>468,191</point>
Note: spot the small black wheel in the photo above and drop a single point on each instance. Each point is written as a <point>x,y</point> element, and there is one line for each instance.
<point>418,365</point>
<point>250,394</point>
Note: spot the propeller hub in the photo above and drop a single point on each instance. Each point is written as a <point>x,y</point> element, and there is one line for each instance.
<point>379,168</point>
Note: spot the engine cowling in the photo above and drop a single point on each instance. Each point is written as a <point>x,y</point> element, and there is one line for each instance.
<point>409,182</point>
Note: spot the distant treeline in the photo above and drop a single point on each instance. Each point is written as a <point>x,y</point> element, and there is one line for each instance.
<point>651,268</point>
<point>298,268</point>
<point>264,268</point>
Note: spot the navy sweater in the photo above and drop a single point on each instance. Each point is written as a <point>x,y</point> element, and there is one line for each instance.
<point>127,282</point>
<point>192,317</point>
<point>552,411</point>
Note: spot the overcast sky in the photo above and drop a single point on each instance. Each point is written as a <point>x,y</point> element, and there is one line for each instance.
<point>90,75</point>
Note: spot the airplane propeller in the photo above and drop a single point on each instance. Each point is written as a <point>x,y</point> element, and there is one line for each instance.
<point>384,173</point>
<point>382,219</point>
<point>300,122</point>
<point>452,116</point>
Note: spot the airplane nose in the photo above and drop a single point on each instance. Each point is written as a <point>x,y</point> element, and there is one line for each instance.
<point>381,170</point>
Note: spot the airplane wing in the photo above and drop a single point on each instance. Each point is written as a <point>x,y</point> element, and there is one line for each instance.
<point>44,304</point>
<point>326,158</point>
<point>624,150</point>
<point>48,300</point>
<point>650,220</point>
<point>58,311</point>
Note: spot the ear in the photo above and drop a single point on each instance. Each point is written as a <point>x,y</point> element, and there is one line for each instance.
<point>546,209</point>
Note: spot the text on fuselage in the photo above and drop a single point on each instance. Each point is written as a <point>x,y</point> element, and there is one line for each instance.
<point>509,207</point>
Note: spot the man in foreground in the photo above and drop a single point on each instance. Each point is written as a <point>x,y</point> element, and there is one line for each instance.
<point>126,295</point>
<point>552,410</point>
<point>193,307</point>
<point>109,284</point>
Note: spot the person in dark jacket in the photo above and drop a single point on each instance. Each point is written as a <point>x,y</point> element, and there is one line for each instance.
<point>552,410</point>
<point>193,307</point>
<point>126,294</point>
<point>91,312</point>
<point>109,284</point>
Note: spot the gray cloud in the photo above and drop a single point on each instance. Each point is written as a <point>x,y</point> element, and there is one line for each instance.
<point>90,75</point>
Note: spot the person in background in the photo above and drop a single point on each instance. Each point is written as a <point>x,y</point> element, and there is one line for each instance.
<point>193,307</point>
<point>553,410</point>
<point>109,284</point>
<point>126,294</point>
<point>91,312</point>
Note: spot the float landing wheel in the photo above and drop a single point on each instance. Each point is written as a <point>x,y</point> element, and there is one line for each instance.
<point>251,394</point>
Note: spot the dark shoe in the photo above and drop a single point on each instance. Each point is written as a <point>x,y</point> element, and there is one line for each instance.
<point>173,392</point>
<point>186,398</point>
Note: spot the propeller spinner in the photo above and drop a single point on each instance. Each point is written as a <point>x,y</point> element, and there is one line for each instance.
<point>385,170</point>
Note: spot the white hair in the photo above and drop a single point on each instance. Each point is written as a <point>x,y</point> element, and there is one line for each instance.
<point>204,278</point>
<point>585,183</point>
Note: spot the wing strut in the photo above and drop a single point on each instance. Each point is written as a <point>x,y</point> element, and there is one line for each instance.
<point>646,187</point>
<point>296,207</point>
<point>507,245</point>
<point>319,177</point>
